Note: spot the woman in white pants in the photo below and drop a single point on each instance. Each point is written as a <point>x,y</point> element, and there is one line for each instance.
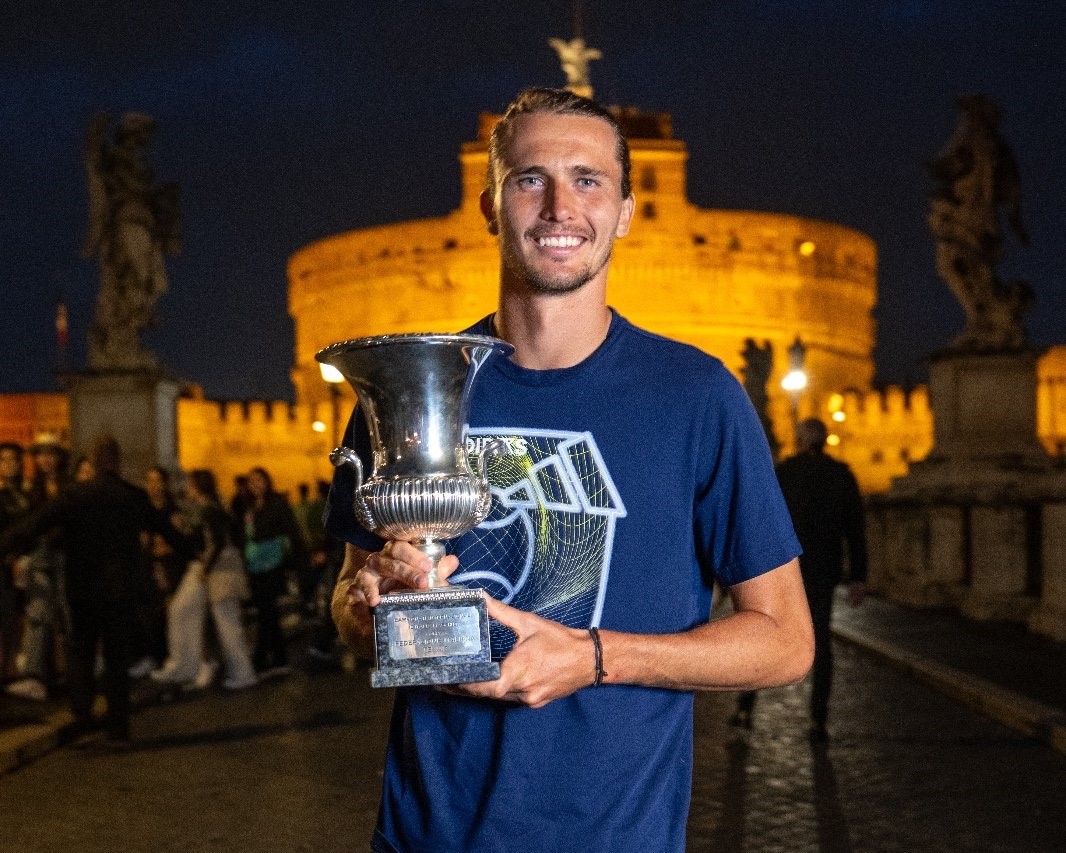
<point>215,577</point>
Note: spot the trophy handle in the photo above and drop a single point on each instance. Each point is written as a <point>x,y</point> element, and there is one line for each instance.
<point>346,456</point>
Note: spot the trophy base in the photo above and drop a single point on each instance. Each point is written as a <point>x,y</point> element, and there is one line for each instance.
<point>436,636</point>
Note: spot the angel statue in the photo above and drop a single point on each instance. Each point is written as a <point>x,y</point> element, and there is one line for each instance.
<point>575,57</point>
<point>758,365</point>
<point>132,225</point>
<point>978,185</point>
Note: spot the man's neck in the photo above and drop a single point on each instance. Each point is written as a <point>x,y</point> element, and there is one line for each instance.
<point>550,332</point>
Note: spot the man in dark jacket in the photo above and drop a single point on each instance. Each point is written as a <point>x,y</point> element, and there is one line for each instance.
<point>827,513</point>
<point>102,521</point>
<point>14,503</point>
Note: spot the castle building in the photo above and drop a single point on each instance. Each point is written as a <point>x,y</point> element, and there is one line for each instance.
<point>712,278</point>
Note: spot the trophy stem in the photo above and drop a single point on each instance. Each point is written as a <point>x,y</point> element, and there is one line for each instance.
<point>433,549</point>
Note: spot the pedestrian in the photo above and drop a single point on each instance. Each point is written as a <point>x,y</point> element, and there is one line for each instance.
<point>308,512</point>
<point>271,541</point>
<point>328,554</point>
<point>827,511</point>
<point>242,498</point>
<point>46,619</point>
<point>14,504</point>
<point>225,578</point>
<point>102,521</point>
<point>637,474</point>
<point>168,557</point>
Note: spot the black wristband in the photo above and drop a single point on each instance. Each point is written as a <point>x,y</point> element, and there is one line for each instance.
<point>597,646</point>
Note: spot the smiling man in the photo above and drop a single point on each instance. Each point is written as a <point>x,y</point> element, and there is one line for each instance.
<point>638,475</point>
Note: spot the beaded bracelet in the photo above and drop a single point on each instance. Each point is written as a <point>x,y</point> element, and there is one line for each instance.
<point>601,673</point>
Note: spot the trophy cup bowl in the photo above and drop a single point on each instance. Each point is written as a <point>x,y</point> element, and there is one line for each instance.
<point>414,392</point>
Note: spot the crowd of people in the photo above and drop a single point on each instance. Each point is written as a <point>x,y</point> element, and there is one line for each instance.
<point>194,602</point>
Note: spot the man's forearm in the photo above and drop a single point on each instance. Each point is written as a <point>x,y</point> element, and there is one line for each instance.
<point>767,642</point>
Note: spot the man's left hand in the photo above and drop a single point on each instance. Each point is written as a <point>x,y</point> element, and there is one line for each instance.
<point>548,661</point>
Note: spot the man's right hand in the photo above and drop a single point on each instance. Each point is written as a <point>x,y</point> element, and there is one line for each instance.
<point>366,576</point>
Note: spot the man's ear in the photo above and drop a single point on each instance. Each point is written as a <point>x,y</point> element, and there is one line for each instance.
<point>488,210</point>
<point>625,217</point>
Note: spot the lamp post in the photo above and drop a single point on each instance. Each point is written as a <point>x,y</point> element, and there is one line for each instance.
<point>795,381</point>
<point>333,379</point>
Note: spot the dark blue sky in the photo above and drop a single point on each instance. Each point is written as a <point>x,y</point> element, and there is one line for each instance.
<point>285,122</point>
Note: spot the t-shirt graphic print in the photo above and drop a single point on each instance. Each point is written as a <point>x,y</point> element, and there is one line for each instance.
<point>546,544</point>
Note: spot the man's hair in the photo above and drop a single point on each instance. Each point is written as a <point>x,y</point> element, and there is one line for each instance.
<point>810,435</point>
<point>554,102</point>
<point>106,455</point>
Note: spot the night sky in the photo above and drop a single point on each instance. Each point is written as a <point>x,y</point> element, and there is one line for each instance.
<point>285,122</point>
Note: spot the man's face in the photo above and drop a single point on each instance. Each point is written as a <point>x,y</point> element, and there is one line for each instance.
<point>10,465</point>
<point>558,206</point>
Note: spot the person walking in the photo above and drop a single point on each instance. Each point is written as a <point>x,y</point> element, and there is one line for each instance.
<point>225,578</point>
<point>271,540</point>
<point>102,521</point>
<point>167,558</point>
<point>827,511</point>
<point>46,617</point>
<point>14,504</point>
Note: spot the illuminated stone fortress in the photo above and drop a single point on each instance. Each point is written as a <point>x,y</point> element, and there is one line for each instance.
<point>712,278</point>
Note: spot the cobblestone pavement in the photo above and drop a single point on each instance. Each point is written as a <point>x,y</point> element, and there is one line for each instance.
<point>294,765</point>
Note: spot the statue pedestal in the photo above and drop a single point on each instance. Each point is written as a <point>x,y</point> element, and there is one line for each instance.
<point>984,408</point>
<point>979,523</point>
<point>984,430</point>
<point>137,407</point>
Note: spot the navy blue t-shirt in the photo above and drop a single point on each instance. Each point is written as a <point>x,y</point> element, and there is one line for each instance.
<point>634,480</point>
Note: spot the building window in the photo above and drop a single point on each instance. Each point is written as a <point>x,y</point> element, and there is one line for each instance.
<point>649,210</point>
<point>648,181</point>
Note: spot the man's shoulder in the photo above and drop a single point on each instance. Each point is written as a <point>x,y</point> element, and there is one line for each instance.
<point>112,485</point>
<point>819,465</point>
<point>661,352</point>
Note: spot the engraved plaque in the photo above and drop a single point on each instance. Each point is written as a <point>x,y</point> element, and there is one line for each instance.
<point>434,632</point>
<point>436,636</point>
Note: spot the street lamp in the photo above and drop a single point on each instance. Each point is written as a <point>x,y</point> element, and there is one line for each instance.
<point>333,379</point>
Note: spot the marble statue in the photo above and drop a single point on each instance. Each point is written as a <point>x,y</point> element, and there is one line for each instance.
<point>977,187</point>
<point>133,224</point>
<point>758,365</point>
<point>575,57</point>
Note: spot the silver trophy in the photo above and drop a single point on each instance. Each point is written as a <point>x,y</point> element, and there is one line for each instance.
<point>414,392</point>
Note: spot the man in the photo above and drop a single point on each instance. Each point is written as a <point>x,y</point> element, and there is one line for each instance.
<point>42,577</point>
<point>623,498</point>
<point>14,502</point>
<point>823,498</point>
<point>101,520</point>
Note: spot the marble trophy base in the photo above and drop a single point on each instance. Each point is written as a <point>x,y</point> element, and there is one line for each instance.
<point>436,636</point>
